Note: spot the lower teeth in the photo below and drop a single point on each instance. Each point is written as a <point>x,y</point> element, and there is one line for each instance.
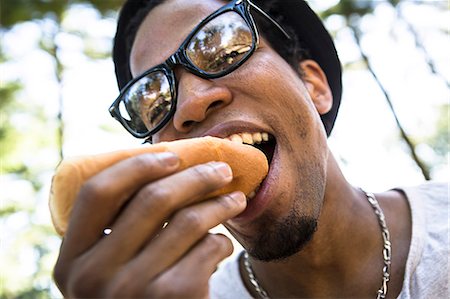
<point>253,193</point>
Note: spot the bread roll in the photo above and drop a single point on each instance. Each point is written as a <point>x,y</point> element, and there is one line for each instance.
<point>249,167</point>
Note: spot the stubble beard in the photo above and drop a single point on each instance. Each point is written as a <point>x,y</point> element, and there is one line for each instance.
<point>283,238</point>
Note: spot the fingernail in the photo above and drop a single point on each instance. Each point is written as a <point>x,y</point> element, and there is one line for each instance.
<point>168,158</point>
<point>223,169</point>
<point>238,196</point>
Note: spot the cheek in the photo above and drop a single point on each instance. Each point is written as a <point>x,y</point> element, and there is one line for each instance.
<point>280,87</point>
<point>167,133</point>
<point>302,130</point>
<point>271,78</point>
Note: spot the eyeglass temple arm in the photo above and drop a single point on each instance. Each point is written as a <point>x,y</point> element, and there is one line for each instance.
<point>270,19</point>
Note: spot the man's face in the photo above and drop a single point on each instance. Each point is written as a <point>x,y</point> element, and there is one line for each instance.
<point>264,95</point>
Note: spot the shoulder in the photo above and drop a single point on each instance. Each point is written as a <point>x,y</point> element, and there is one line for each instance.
<point>430,191</point>
<point>226,282</point>
<point>426,274</point>
<point>429,205</point>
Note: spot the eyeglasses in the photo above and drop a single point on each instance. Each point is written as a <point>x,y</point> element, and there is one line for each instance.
<point>217,46</point>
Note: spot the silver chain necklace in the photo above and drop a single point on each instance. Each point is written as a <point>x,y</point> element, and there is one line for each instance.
<point>381,293</point>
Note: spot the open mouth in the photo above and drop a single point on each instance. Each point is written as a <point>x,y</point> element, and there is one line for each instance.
<point>263,141</point>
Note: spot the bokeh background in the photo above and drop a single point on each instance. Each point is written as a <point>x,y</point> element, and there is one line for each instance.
<point>57,81</point>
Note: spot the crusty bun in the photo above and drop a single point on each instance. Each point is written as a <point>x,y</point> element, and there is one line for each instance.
<point>249,167</point>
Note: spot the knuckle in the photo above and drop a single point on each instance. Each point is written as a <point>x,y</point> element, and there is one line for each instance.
<point>83,282</point>
<point>91,189</point>
<point>154,198</point>
<point>144,164</point>
<point>218,243</point>
<point>158,193</point>
<point>92,194</point>
<point>124,286</point>
<point>60,275</point>
<point>191,219</point>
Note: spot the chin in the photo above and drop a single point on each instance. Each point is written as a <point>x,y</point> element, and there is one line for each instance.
<point>290,222</point>
<point>282,238</point>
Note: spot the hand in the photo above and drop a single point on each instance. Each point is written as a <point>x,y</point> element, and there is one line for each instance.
<point>140,258</point>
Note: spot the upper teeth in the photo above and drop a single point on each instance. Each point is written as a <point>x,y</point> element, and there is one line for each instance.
<point>249,138</point>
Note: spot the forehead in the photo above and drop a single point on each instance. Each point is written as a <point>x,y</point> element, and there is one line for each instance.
<point>164,29</point>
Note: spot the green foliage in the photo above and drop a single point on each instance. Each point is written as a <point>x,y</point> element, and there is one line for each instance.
<point>16,11</point>
<point>8,134</point>
<point>349,8</point>
<point>28,153</point>
<point>15,142</point>
<point>439,140</point>
<point>103,6</point>
<point>30,242</point>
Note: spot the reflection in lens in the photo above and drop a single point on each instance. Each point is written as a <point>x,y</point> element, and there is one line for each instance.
<point>148,101</point>
<point>222,42</point>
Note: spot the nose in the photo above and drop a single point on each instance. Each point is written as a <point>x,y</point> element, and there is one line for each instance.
<point>197,99</point>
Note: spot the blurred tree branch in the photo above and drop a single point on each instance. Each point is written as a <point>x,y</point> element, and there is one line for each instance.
<point>420,45</point>
<point>353,11</point>
<point>411,146</point>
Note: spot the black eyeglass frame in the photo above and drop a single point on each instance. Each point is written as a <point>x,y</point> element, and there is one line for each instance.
<point>242,7</point>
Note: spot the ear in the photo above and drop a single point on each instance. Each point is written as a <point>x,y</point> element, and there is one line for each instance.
<point>317,85</point>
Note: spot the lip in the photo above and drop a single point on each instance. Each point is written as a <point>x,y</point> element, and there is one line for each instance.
<point>258,204</point>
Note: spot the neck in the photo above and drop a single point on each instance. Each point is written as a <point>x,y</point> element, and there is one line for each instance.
<point>344,257</point>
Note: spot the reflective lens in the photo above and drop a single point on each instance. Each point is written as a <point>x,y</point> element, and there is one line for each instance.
<point>221,43</point>
<point>147,102</point>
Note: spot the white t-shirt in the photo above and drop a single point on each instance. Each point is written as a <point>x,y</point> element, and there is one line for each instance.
<point>427,274</point>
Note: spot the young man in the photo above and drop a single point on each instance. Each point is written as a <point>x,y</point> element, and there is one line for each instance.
<point>239,74</point>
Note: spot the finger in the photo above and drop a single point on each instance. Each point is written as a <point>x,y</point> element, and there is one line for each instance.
<point>189,278</point>
<point>101,198</point>
<point>154,204</point>
<point>186,228</point>
<point>179,281</point>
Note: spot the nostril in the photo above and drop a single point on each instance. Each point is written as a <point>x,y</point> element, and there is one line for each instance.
<point>188,124</point>
<point>214,105</point>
